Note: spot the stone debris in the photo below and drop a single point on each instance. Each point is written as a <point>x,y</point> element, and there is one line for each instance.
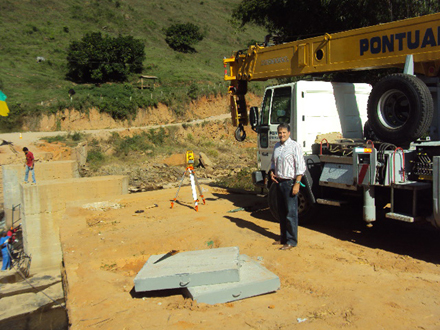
<point>102,206</point>
<point>205,161</point>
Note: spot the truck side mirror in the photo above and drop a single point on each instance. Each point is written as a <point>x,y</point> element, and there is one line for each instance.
<point>253,118</point>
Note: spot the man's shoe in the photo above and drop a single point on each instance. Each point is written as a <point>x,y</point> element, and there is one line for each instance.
<point>277,243</point>
<point>286,247</point>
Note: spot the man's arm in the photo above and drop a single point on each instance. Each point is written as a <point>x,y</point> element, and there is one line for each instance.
<point>296,185</point>
<point>300,168</point>
<point>272,166</point>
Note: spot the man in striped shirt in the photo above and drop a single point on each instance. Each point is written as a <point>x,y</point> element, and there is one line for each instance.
<point>287,169</point>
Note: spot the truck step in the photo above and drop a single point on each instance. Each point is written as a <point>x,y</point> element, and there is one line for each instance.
<point>400,217</point>
<point>331,202</point>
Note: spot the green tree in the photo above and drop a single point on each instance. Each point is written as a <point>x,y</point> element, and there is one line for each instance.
<point>182,37</point>
<point>100,59</point>
<point>296,19</point>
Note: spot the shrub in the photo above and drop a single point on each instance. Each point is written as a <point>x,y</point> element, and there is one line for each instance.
<point>241,180</point>
<point>136,143</point>
<point>69,139</point>
<point>95,158</point>
<point>157,137</point>
<point>100,59</point>
<point>193,91</point>
<point>182,37</point>
<point>95,155</point>
<point>57,138</point>
<point>76,136</point>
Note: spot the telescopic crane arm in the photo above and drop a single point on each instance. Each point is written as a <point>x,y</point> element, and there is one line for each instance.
<point>379,46</point>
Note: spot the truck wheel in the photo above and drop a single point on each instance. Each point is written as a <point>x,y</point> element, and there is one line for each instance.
<point>400,109</point>
<point>305,209</point>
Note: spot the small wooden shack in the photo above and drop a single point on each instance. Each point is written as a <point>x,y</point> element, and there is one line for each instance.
<point>150,81</point>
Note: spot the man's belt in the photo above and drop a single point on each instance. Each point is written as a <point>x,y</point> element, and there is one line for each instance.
<point>283,180</point>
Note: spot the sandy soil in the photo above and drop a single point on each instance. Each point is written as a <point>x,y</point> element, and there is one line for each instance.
<point>341,275</point>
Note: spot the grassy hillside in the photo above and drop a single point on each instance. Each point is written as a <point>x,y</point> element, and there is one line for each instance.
<point>45,28</point>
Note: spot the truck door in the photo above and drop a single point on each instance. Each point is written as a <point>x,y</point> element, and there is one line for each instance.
<point>276,109</point>
<point>263,133</point>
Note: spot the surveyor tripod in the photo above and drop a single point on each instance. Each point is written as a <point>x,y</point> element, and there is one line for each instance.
<point>194,182</point>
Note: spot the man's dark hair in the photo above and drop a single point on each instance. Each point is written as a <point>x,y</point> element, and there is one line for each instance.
<point>284,125</point>
<point>25,149</point>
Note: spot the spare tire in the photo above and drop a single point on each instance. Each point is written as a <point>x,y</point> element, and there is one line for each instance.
<point>400,109</point>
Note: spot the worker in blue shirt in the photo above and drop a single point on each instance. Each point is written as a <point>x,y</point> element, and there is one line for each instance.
<point>5,253</point>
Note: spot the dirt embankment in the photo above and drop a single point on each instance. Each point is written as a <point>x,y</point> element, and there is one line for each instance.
<point>71,120</point>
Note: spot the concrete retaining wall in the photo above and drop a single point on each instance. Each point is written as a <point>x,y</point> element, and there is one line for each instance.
<point>44,204</point>
<point>52,195</point>
<point>13,177</point>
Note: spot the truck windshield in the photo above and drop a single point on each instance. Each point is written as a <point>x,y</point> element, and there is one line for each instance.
<point>281,106</point>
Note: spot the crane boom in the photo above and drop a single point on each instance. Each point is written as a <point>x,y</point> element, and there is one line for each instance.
<point>379,46</point>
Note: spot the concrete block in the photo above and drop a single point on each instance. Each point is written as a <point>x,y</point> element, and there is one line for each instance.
<point>43,205</point>
<point>41,241</point>
<point>254,280</point>
<point>41,156</point>
<point>52,195</point>
<point>191,268</point>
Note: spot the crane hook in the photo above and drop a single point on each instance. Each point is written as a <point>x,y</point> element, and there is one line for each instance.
<point>240,134</point>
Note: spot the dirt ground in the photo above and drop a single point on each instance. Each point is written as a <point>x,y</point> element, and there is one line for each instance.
<point>341,275</point>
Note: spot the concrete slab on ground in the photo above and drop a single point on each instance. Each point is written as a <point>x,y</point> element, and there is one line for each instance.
<point>203,267</point>
<point>254,280</point>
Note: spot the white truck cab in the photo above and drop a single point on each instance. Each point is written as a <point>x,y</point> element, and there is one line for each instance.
<point>311,108</point>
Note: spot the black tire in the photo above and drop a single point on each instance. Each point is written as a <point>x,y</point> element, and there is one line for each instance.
<point>400,109</point>
<point>306,211</point>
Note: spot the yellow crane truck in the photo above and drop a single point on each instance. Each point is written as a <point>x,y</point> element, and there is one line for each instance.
<point>380,145</point>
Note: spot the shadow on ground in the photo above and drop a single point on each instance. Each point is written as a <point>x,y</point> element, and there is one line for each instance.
<point>419,241</point>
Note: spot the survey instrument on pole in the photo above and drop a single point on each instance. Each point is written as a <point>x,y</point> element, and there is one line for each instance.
<point>193,179</point>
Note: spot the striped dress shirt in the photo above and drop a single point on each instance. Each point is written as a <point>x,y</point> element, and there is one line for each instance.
<point>288,160</point>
